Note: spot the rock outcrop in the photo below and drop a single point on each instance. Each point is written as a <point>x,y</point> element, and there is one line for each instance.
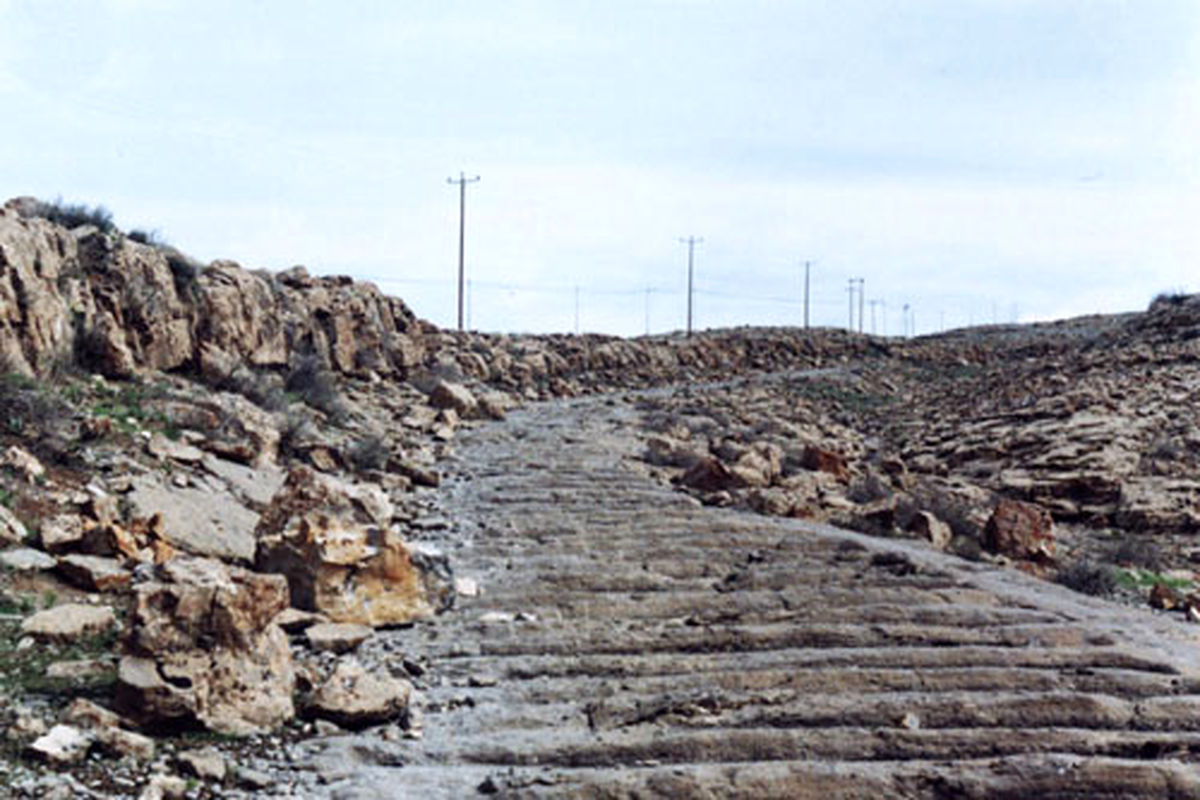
<point>203,649</point>
<point>123,306</point>
<point>335,544</point>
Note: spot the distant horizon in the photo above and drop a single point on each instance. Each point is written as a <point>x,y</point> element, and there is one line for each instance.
<point>978,161</point>
<point>157,238</point>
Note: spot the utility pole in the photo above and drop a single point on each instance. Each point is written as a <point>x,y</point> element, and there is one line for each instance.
<point>806,269</point>
<point>850,291</point>
<point>691,242</point>
<point>904,317</point>
<point>576,310</point>
<point>462,180</point>
<point>883,309</point>
<point>861,291</point>
<point>873,303</point>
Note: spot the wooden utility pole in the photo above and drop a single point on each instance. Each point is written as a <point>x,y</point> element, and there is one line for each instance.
<point>462,180</point>
<point>873,303</point>
<point>861,292</point>
<point>806,269</point>
<point>850,292</point>
<point>691,242</point>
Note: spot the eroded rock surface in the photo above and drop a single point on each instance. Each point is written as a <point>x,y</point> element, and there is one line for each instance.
<point>335,544</point>
<point>203,648</point>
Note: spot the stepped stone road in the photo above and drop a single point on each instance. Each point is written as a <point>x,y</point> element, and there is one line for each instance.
<point>631,643</point>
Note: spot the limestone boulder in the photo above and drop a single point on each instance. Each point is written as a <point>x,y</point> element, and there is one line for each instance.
<point>202,647</point>
<point>819,459</point>
<point>61,745</point>
<point>666,451</point>
<point>95,573</point>
<point>22,461</point>
<point>710,474</point>
<point>69,622</point>
<point>1020,530</point>
<point>12,530</point>
<point>933,530</point>
<point>333,542</point>
<point>454,396</point>
<point>354,698</point>
<point>204,519</point>
<point>336,637</point>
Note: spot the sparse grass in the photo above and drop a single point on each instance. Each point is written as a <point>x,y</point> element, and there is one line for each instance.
<point>840,395</point>
<point>152,238</point>
<point>262,389</point>
<point>184,270</point>
<point>128,408</point>
<point>1136,551</point>
<point>24,671</point>
<point>295,430</point>
<point>1144,579</point>
<point>868,489</point>
<point>371,452</point>
<point>1173,297</point>
<point>24,403</point>
<point>20,604</point>
<point>1088,577</point>
<point>317,386</point>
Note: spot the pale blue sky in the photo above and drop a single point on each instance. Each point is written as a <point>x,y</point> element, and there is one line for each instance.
<point>960,155</point>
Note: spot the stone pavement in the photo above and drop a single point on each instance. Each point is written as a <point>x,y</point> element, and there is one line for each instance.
<point>631,643</point>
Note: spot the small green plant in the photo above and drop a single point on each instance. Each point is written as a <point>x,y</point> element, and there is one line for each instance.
<point>49,598</point>
<point>1144,579</point>
<point>7,498</point>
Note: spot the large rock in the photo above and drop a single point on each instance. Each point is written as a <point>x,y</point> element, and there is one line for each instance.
<point>819,459</point>
<point>931,529</point>
<point>95,573</point>
<point>1020,530</point>
<point>354,698</point>
<point>12,530</point>
<point>205,519</point>
<point>334,543</point>
<point>454,396</point>
<point>62,745</point>
<point>709,474</point>
<point>203,648</point>
<point>69,622</point>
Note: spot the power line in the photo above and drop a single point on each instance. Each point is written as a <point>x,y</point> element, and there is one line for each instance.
<point>462,180</point>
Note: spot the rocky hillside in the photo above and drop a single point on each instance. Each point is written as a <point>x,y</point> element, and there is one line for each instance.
<point>217,486</point>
